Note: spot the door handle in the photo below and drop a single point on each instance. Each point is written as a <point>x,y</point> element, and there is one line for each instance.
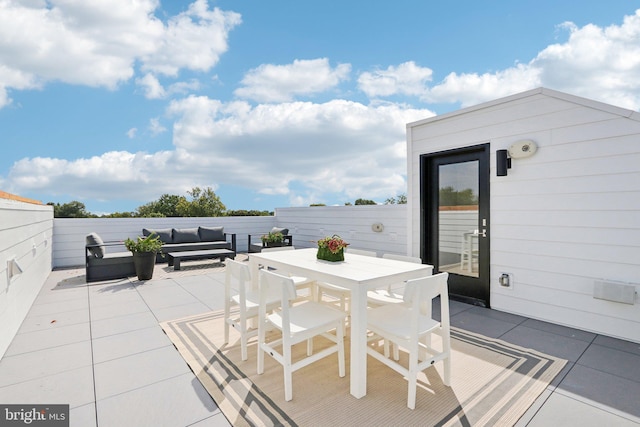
<point>484,232</point>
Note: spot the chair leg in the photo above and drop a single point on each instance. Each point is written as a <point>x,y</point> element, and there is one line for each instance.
<point>226,324</point>
<point>243,339</point>
<point>412,379</point>
<point>340,339</point>
<point>288,373</point>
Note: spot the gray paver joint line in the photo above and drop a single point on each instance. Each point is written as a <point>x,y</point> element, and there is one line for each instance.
<point>93,365</point>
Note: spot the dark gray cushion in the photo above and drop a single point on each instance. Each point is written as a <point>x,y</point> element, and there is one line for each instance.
<point>96,251</point>
<point>284,231</point>
<point>185,235</point>
<point>165,234</point>
<point>211,234</point>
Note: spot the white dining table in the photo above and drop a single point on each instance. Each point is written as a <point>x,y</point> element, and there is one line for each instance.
<point>359,274</point>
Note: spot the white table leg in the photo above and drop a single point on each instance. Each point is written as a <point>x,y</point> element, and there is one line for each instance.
<point>358,366</point>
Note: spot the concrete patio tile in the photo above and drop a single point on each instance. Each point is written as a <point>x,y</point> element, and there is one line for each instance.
<point>560,330</point>
<point>96,300</point>
<point>52,321</point>
<point>47,296</point>
<point>555,345</point>
<point>109,311</point>
<point>207,290</point>
<point>178,401</point>
<point>128,343</point>
<point>481,324</point>
<point>111,288</point>
<point>498,315</point>
<point>41,363</point>
<point>612,361</point>
<point>604,390</point>
<point>138,370</point>
<point>73,387</point>
<point>118,325</point>
<point>629,347</point>
<point>180,311</point>
<point>54,307</point>
<point>83,416</point>
<point>560,410</point>
<point>54,337</point>
<point>167,297</point>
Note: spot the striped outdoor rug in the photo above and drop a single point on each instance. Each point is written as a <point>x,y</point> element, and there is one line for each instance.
<point>493,383</point>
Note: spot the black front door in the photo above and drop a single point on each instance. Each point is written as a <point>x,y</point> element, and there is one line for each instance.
<point>455,219</point>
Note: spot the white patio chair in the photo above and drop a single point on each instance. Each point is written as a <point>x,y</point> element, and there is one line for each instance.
<point>393,294</point>
<point>338,292</point>
<point>297,323</point>
<point>247,300</point>
<point>301,282</point>
<point>409,325</point>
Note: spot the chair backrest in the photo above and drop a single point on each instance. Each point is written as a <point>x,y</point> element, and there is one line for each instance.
<point>278,248</point>
<point>361,252</point>
<point>241,274</point>
<point>271,283</point>
<point>405,258</point>
<point>420,292</point>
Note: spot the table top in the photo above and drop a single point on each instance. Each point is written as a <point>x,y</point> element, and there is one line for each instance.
<point>354,268</point>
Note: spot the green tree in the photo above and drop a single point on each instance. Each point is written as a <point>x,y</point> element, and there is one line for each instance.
<point>401,199</point>
<point>165,206</point>
<point>73,209</point>
<point>365,202</point>
<point>451,197</point>
<point>203,203</point>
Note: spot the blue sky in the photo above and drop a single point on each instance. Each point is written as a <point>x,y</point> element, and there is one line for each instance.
<point>274,103</point>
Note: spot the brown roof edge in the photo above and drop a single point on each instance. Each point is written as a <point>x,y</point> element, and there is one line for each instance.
<point>5,195</point>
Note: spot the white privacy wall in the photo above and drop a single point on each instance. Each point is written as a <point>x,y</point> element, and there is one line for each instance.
<point>306,224</point>
<point>561,219</point>
<point>25,236</point>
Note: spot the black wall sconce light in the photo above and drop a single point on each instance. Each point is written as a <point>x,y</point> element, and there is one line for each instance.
<point>503,162</point>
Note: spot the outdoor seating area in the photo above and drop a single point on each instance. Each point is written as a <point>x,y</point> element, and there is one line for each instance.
<point>125,352</point>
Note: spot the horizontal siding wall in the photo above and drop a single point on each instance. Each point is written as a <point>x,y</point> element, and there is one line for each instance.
<point>25,235</point>
<point>561,219</point>
<point>306,225</point>
<point>352,223</point>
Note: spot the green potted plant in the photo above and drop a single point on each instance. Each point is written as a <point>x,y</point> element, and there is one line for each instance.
<point>144,251</point>
<point>331,248</point>
<point>272,239</point>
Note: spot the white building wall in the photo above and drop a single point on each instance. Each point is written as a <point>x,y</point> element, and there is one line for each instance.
<point>561,219</point>
<point>306,224</point>
<point>26,236</point>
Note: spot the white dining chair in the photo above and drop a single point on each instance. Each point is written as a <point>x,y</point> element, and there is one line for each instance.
<point>394,292</point>
<point>409,325</point>
<point>301,282</point>
<point>297,323</point>
<point>242,305</point>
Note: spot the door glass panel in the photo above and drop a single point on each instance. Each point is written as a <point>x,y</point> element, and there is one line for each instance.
<point>458,218</point>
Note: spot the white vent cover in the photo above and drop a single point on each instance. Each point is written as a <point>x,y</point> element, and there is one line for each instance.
<point>614,291</point>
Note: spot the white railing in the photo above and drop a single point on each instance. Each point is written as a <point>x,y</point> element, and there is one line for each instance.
<point>352,223</point>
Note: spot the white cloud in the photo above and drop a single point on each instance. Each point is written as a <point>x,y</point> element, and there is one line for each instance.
<point>283,83</point>
<point>194,40</point>
<point>131,133</point>
<point>151,86</point>
<point>405,79</point>
<point>156,127</point>
<point>598,63</point>
<point>335,147</point>
<point>97,43</point>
